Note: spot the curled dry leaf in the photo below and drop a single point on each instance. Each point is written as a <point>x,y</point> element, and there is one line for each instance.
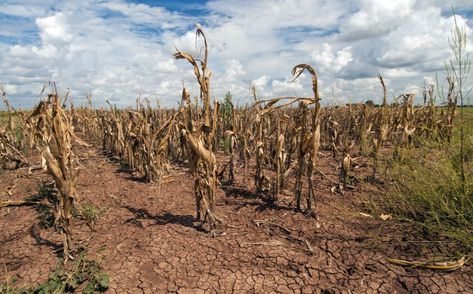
<point>365,214</point>
<point>442,266</point>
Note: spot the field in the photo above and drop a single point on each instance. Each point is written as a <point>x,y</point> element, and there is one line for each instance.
<point>283,195</point>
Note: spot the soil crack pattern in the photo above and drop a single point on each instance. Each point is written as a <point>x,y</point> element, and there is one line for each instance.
<point>150,242</point>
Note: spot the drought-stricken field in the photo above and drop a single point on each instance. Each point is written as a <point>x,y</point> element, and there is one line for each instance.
<point>282,195</point>
<point>149,241</point>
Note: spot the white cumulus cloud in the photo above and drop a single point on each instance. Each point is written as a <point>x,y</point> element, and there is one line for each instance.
<point>118,49</point>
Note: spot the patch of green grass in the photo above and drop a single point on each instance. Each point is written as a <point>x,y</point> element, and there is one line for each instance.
<point>426,187</point>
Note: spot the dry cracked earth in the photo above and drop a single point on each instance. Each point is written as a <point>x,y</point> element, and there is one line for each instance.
<point>147,240</point>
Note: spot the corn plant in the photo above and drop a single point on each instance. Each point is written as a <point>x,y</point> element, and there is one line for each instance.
<point>53,138</point>
<point>309,141</point>
<point>199,139</point>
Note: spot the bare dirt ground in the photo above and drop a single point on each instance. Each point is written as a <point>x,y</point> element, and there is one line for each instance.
<point>148,241</point>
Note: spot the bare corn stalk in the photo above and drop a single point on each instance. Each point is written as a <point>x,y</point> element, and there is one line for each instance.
<point>54,136</point>
<point>313,139</point>
<point>199,137</point>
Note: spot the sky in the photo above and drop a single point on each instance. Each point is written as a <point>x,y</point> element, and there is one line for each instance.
<point>119,50</point>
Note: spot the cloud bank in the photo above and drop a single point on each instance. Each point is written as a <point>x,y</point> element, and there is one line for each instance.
<point>118,50</point>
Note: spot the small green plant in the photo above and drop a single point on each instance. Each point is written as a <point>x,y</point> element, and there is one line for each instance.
<point>90,213</point>
<point>82,276</point>
<point>459,67</point>
<point>225,144</point>
<point>226,114</point>
<point>85,275</point>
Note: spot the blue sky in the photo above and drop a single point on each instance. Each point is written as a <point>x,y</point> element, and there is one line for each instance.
<point>120,49</point>
<point>189,7</point>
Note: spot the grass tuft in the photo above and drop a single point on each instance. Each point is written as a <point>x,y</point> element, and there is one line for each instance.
<point>427,189</point>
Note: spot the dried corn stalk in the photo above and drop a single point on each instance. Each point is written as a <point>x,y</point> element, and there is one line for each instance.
<point>53,138</point>
<point>200,139</point>
<point>309,142</point>
<point>12,137</point>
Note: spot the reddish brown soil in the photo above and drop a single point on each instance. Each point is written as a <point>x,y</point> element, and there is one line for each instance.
<point>148,242</point>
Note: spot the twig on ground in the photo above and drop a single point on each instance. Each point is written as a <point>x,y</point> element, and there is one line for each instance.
<point>17,203</point>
